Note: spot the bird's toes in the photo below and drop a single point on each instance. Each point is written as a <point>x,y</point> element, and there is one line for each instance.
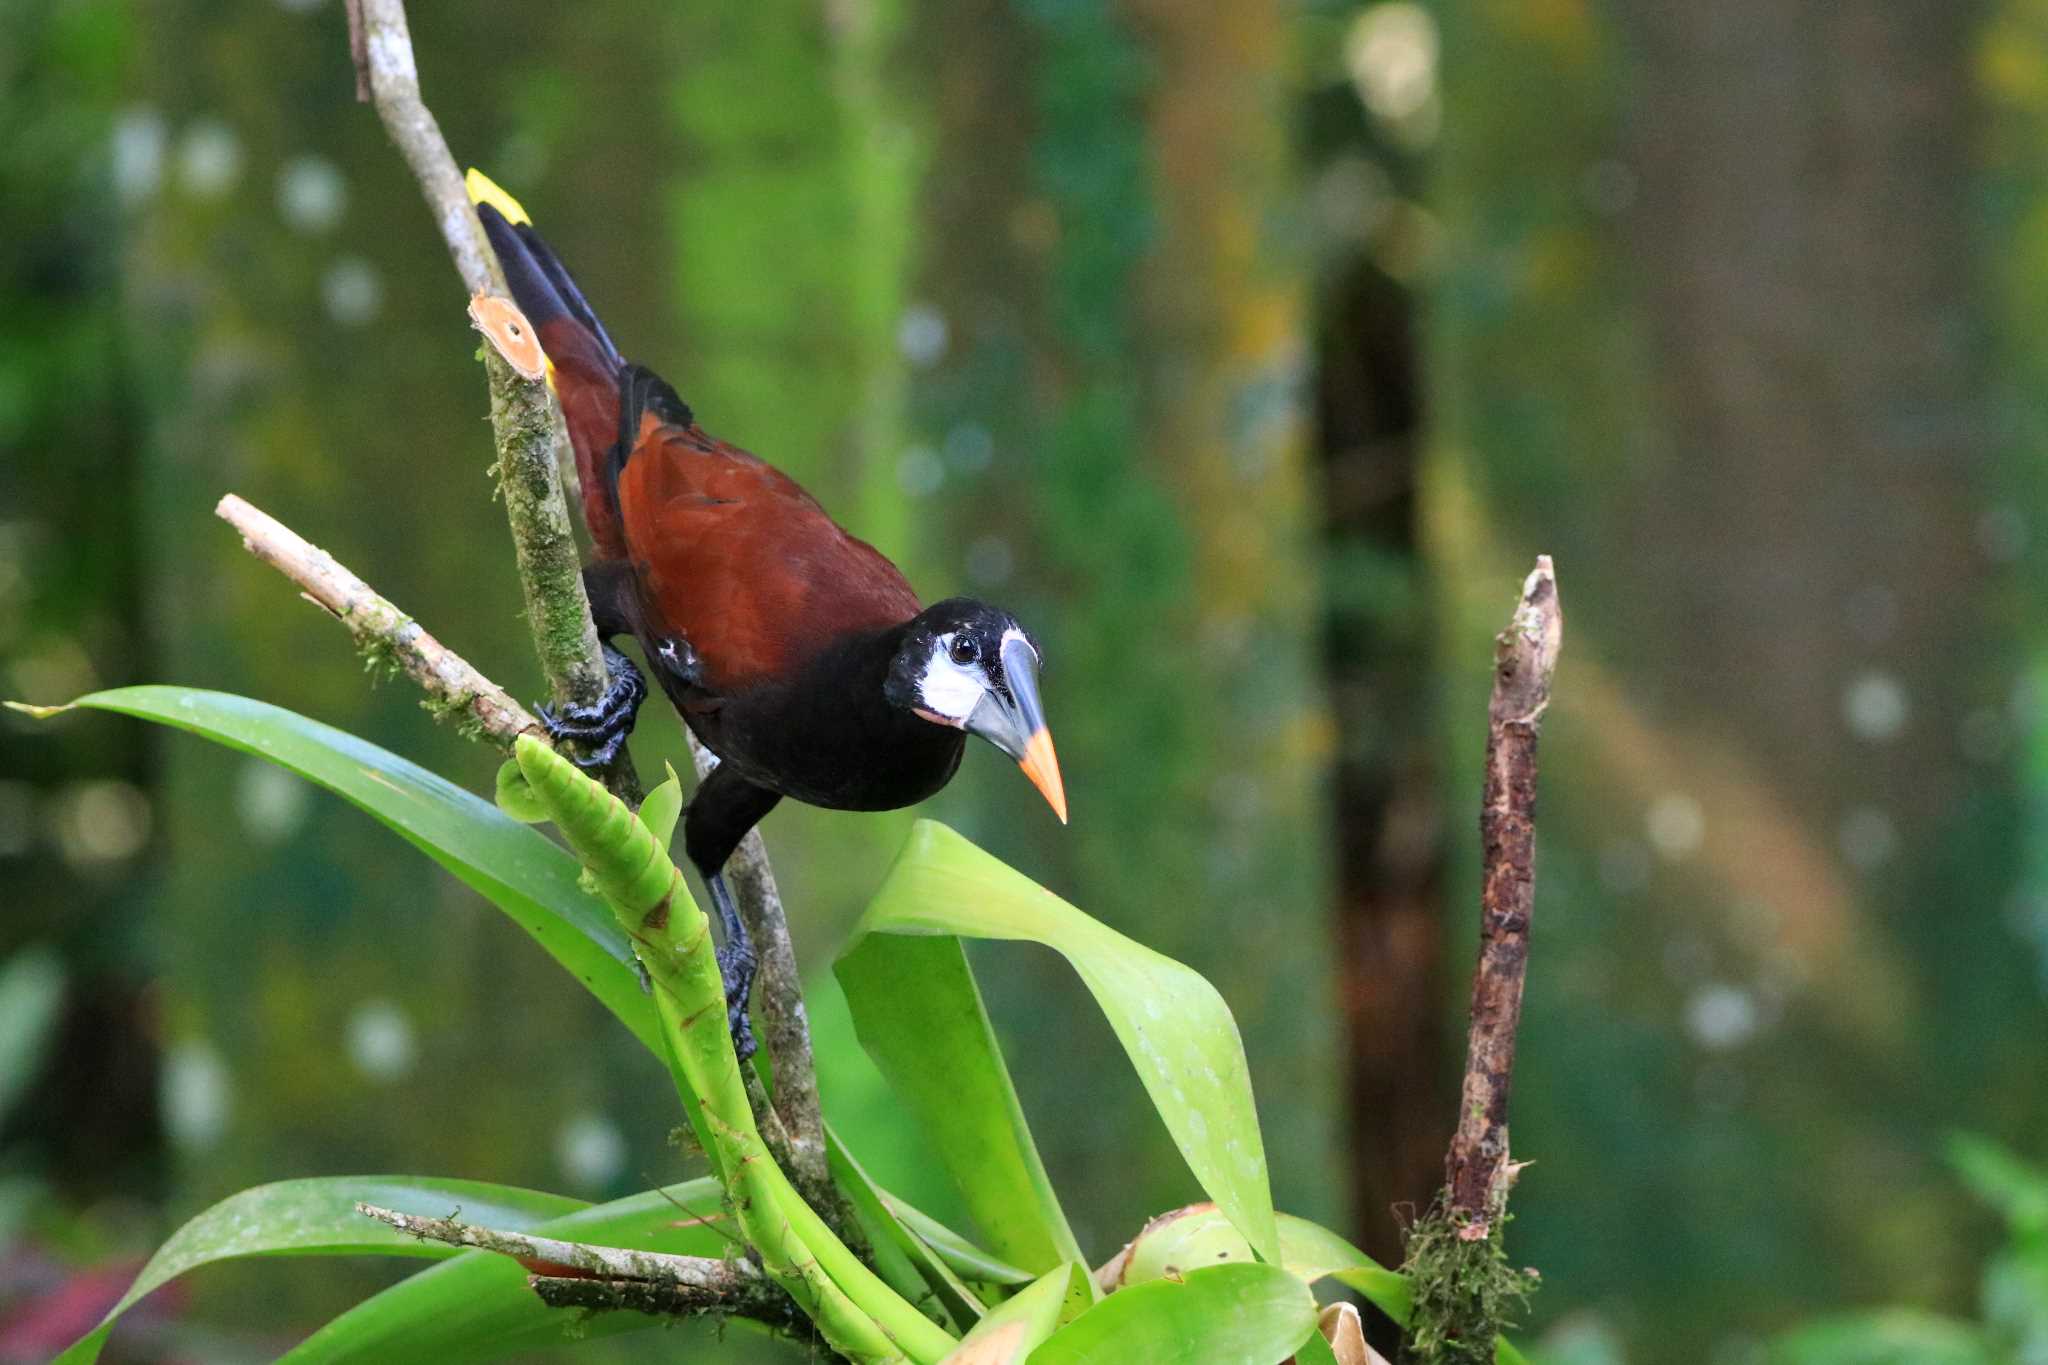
<point>743,1044</point>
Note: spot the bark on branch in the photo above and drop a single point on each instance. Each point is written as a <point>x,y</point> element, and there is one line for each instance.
<point>1477,1170</point>
<point>613,1277</point>
<point>383,632</point>
<point>529,432</point>
<point>524,418</point>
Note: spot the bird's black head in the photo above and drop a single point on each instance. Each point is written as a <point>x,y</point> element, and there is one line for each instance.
<point>969,665</point>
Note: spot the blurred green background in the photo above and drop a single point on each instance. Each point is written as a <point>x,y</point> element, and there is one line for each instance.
<point>1249,352</point>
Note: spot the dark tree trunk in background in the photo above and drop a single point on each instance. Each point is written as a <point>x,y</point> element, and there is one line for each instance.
<point>1708,326</point>
<point>1114,412</point>
<point>1388,796</point>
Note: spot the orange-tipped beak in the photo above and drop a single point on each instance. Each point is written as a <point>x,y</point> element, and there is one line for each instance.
<point>1013,720</point>
<point>1042,766</point>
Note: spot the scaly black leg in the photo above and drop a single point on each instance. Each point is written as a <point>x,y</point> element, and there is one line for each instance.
<point>725,807</point>
<point>601,728</point>
<point>735,965</point>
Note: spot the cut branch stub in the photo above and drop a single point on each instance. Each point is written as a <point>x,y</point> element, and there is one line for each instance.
<point>1477,1170</point>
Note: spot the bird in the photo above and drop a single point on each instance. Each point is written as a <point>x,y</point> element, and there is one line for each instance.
<point>797,654</point>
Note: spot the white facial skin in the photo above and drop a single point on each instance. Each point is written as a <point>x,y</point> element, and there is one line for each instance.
<point>949,691</point>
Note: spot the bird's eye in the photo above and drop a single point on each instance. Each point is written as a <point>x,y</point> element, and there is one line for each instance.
<point>964,650</point>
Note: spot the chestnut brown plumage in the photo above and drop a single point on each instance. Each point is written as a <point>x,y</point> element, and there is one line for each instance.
<point>796,652</point>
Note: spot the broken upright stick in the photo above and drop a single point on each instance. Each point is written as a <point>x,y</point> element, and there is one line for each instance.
<point>1477,1170</point>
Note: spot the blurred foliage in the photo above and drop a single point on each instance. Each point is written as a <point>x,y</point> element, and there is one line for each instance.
<point>2013,1294</point>
<point>1735,309</point>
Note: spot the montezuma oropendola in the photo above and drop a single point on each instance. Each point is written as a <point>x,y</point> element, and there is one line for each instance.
<point>798,654</point>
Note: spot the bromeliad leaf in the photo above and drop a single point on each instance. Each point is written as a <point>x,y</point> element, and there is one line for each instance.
<point>307,1217</point>
<point>1246,1312</point>
<point>917,1011</point>
<point>1015,1329</point>
<point>532,880</point>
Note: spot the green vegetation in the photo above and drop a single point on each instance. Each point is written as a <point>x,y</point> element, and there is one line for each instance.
<point>916,1004</point>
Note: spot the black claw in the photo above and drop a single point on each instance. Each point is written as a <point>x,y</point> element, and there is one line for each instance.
<point>600,729</point>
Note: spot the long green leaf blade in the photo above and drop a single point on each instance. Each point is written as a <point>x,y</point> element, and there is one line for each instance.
<point>919,1015</point>
<point>526,876</point>
<point>318,1217</point>
<point>1241,1312</point>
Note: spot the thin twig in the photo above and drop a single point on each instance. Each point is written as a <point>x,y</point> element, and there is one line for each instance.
<point>696,1283</point>
<point>380,629</point>
<point>776,1309</point>
<point>524,418</point>
<point>1477,1170</point>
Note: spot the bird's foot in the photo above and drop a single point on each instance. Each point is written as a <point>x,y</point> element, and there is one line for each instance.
<point>736,974</point>
<point>600,728</point>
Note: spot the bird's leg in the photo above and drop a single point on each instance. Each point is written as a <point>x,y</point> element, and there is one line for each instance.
<point>601,728</point>
<point>735,965</point>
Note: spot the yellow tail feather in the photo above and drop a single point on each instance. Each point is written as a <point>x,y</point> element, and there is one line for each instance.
<point>484,190</point>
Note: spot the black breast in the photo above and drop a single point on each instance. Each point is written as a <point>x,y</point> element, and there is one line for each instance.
<point>827,737</point>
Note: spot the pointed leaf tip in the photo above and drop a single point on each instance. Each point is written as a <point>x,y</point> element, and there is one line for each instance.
<point>39,712</point>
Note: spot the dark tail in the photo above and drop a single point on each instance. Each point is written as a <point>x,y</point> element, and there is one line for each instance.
<point>586,370</point>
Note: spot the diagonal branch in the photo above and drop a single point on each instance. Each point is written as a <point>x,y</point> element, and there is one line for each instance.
<point>382,632</point>
<point>638,1279</point>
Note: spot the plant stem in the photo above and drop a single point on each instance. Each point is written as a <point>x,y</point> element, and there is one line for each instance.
<point>859,1314</point>
<point>786,1030</point>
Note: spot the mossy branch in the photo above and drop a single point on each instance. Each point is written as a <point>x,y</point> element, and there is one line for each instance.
<point>524,419</point>
<point>1466,1291</point>
<point>387,636</point>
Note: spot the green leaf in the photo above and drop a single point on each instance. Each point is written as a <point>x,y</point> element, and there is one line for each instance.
<point>476,1306</point>
<point>1311,1252</point>
<point>318,1217</point>
<point>2017,1190</point>
<point>917,1011</point>
<point>1314,1351</point>
<point>31,989</point>
<point>515,798</point>
<point>967,1260</point>
<point>1891,1336</point>
<point>1239,1312</point>
<point>910,1266</point>
<point>662,807</point>
<point>525,875</point>
<point>1008,1335</point>
<point>920,1016</point>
